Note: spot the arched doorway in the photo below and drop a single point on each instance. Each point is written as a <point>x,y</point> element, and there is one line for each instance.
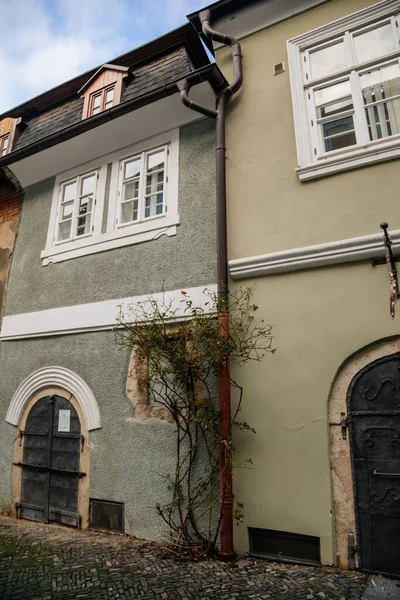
<point>350,414</point>
<point>51,461</point>
<point>68,392</point>
<point>374,427</point>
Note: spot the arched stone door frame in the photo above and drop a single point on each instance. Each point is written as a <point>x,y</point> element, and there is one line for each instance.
<point>70,386</point>
<point>340,452</point>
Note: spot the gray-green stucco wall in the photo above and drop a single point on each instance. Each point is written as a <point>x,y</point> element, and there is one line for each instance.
<point>128,458</point>
<point>185,260</point>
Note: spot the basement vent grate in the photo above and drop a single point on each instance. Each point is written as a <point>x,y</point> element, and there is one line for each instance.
<point>284,546</point>
<point>106,515</point>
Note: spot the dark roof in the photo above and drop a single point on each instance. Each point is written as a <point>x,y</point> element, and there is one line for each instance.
<point>183,36</point>
<point>146,78</point>
<point>210,73</point>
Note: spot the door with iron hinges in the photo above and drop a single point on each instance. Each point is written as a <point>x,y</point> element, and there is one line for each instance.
<point>50,465</point>
<point>374,424</point>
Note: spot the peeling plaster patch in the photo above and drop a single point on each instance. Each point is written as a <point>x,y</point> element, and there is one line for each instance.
<point>137,393</point>
<point>298,427</point>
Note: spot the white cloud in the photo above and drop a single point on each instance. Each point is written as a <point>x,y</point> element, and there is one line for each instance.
<point>46,42</point>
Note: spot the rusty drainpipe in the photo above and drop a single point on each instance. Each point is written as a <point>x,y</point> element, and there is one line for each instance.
<point>224,388</point>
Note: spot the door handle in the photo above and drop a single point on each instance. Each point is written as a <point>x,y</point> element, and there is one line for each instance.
<point>386,474</point>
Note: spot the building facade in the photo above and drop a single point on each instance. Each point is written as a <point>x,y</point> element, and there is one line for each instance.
<point>117,184</point>
<point>312,167</point>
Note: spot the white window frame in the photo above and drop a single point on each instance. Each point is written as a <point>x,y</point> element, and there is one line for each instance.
<point>142,185</point>
<point>74,218</point>
<point>313,162</point>
<point>135,232</point>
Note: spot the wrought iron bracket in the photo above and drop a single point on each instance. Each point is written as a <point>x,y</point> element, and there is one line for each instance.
<point>390,256</point>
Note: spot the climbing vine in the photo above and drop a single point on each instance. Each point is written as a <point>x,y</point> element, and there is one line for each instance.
<point>184,347</point>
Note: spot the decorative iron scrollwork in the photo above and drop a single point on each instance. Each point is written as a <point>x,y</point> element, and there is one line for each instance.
<point>394,493</point>
<point>374,397</point>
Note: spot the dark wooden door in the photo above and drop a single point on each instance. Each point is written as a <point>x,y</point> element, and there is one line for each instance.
<point>374,411</point>
<point>50,467</point>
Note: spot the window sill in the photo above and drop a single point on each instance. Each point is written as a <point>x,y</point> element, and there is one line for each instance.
<point>352,160</point>
<point>136,234</point>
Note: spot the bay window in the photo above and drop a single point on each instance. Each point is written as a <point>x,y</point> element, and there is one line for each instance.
<point>345,80</point>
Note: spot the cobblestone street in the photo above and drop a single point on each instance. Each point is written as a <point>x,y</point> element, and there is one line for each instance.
<point>46,562</point>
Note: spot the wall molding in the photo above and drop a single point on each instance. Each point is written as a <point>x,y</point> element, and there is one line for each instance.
<point>96,316</point>
<point>59,377</point>
<point>310,257</point>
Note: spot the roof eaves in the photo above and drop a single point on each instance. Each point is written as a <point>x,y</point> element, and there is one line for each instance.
<point>210,73</point>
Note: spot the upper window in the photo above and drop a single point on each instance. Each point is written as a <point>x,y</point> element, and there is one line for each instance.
<point>346,91</point>
<point>75,212</point>
<point>101,100</point>
<point>4,141</point>
<point>115,201</point>
<point>142,186</point>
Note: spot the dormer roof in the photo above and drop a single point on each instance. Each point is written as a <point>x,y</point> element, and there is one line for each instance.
<point>105,67</point>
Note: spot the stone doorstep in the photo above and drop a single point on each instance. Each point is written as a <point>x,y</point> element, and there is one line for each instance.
<point>381,588</point>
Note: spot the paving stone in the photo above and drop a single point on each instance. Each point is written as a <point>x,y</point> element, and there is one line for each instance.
<point>39,562</point>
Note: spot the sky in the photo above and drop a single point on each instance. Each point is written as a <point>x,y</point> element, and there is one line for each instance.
<point>46,42</point>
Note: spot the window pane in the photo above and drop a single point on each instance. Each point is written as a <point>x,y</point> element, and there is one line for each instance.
<point>110,95</point>
<point>131,190</point>
<point>328,60</point>
<point>332,93</point>
<point>97,101</point>
<point>380,89</point>
<point>154,205</point>
<point>5,145</point>
<point>132,168</point>
<point>69,192</point>
<point>88,185</point>
<point>374,43</point>
<point>64,230</point>
<point>85,206</point>
<point>129,211</point>
<point>338,134</point>
<point>67,210</point>
<point>96,110</point>
<point>155,161</point>
<point>83,226</point>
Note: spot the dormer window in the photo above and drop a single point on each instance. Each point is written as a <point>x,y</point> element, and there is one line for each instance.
<point>4,141</point>
<point>102,100</point>
<point>103,90</point>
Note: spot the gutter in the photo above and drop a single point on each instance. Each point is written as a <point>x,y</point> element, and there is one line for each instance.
<point>224,386</point>
<point>210,73</point>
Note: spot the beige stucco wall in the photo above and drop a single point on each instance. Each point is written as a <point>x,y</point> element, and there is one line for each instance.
<point>320,317</point>
<point>269,209</point>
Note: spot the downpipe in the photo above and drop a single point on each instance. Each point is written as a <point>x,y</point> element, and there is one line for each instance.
<point>224,387</point>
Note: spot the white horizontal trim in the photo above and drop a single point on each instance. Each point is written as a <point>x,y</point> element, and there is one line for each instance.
<point>55,376</point>
<point>96,316</point>
<point>369,155</point>
<point>144,232</point>
<point>311,257</point>
<point>352,21</point>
